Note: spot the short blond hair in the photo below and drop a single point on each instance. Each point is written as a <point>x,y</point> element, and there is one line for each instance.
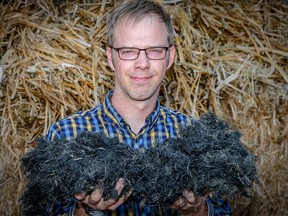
<point>136,10</point>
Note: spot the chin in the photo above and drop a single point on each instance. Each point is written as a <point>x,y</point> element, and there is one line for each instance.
<point>142,95</point>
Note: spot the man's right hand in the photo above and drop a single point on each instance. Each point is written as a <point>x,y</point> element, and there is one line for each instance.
<point>95,200</point>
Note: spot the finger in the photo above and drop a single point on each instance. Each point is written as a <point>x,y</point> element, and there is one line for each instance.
<point>179,203</point>
<point>80,196</point>
<point>117,190</point>
<point>120,201</point>
<point>189,196</point>
<point>120,184</point>
<point>114,201</point>
<point>96,200</point>
<point>95,197</point>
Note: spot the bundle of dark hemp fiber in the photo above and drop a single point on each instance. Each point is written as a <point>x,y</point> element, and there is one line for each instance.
<point>59,169</point>
<point>206,156</point>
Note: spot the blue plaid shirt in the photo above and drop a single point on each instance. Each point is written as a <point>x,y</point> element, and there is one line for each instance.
<point>160,125</point>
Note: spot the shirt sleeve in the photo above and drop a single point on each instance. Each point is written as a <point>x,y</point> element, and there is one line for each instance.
<point>53,132</point>
<point>64,210</point>
<point>217,206</point>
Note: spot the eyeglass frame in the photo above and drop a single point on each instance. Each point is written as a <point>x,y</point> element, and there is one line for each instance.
<point>139,50</point>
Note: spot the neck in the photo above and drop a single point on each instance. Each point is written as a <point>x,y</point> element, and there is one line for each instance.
<point>134,112</point>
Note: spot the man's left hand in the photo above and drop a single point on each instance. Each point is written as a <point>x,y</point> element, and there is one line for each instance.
<point>190,205</point>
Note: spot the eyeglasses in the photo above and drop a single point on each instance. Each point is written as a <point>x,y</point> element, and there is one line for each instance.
<point>131,53</point>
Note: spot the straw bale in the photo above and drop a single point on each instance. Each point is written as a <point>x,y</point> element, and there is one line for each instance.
<point>232,59</point>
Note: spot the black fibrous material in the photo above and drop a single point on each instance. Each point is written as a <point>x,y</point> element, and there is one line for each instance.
<point>207,156</point>
<point>57,170</point>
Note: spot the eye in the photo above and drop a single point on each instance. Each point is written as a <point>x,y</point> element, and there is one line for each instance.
<point>155,50</point>
<point>128,51</point>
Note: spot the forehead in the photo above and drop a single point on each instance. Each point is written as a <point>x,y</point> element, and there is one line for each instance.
<point>146,30</point>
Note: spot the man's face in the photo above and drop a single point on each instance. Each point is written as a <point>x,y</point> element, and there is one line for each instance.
<point>140,79</point>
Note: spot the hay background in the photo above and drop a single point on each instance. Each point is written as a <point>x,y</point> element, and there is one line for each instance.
<point>232,59</point>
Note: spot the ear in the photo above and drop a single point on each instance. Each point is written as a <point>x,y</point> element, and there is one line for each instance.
<point>172,52</point>
<point>109,57</point>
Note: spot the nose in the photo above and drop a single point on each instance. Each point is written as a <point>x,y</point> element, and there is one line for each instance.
<point>142,61</point>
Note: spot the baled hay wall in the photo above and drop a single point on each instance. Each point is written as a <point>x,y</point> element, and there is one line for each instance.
<point>231,59</point>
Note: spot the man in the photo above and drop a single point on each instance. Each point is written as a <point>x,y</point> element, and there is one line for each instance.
<point>139,50</point>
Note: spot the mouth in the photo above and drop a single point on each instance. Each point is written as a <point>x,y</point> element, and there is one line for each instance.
<point>141,79</point>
